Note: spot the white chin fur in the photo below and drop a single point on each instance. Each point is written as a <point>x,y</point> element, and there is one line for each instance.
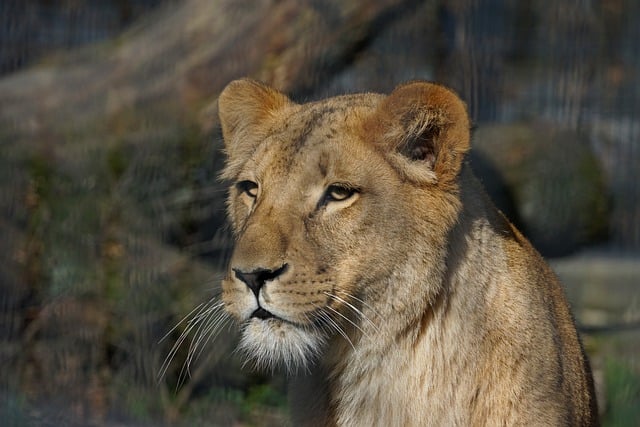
<point>273,343</point>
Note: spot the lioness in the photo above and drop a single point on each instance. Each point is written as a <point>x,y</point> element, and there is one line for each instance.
<point>370,262</point>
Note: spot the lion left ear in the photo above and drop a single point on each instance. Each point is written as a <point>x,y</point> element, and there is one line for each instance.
<point>245,106</point>
<point>424,128</point>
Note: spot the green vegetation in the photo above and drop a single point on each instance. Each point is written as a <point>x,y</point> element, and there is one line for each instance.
<point>622,385</point>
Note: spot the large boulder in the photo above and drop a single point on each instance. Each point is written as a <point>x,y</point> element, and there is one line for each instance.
<point>547,180</point>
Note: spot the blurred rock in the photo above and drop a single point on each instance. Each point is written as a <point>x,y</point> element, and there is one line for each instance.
<point>546,180</point>
<point>602,287</point>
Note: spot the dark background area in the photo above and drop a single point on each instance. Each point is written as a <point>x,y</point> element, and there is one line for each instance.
<point>112,224</point>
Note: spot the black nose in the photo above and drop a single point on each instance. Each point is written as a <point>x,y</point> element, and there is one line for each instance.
<point>257,278</point>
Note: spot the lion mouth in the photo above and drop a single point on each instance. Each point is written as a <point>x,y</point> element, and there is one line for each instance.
<point>262,314</point>
<point>265,317</point>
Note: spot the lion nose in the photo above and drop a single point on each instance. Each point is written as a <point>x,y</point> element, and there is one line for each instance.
<point>257,278</point>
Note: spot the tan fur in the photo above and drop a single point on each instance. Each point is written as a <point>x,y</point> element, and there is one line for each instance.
<point>404,298</point>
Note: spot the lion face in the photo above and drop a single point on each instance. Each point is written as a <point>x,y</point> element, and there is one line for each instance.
<point>318,205</point>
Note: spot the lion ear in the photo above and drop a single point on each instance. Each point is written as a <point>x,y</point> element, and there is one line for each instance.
<point>424,128</point>
<point>244,107</point>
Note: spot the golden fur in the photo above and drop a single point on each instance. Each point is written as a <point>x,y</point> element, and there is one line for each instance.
<point>382,275</point>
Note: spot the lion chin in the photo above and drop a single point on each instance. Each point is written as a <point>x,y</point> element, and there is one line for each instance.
<point>275,343</point>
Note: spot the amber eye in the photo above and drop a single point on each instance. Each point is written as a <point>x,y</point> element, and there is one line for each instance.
<point>250,188</point>
<point>337,193</point>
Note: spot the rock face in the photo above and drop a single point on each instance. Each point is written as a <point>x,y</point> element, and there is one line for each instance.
<point>546,180</point>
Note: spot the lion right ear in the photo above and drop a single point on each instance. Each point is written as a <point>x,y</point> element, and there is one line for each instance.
<point>245,107</point>
<point>424,130</point>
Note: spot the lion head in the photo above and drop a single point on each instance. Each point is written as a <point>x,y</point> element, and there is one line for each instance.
<point>340,211</point>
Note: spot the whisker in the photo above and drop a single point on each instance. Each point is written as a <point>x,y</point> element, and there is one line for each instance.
<point>348,320</point>
<point>205,318</point>
<point>318,320</point>
<point>202,321</point>
<point>191,323</point>
<point>354,308</point>
<point>195,320</point>
<point>210,332</point>
<point>180,322</point>
<point>335,325</point>
<point>348,295</point>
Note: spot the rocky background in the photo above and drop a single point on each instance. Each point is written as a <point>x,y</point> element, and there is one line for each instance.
<point>112,217</point>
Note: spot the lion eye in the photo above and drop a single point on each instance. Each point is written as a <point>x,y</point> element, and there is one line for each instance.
<point>250,188</point>
<point>337,193</point>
